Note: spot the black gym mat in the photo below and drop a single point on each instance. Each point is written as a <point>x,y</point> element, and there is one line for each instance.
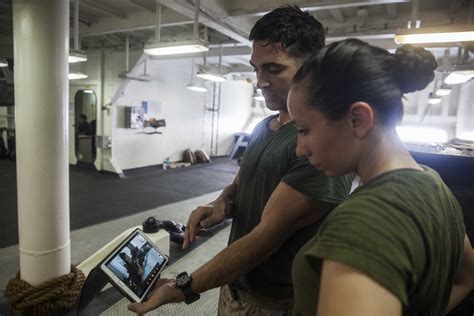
<point>98,197</point>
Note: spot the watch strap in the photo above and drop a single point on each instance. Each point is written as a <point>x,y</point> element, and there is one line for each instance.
<point>189,295</point>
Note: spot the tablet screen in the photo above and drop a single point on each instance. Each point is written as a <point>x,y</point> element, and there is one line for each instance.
<point>136,264</point>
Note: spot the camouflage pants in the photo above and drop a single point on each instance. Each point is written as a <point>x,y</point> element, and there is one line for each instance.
<point>229,306</point>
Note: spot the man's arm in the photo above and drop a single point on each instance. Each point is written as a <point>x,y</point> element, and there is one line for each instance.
<point>360,294</point>
<point>211,214</point>
<point>464,280</point>
<point>286,212</point>
<point>227,196</point>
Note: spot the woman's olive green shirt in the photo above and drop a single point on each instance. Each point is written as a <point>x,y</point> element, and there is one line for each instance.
<point>404,229</point>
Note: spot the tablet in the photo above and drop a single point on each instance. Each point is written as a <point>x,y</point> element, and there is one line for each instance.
<point>134,266</point>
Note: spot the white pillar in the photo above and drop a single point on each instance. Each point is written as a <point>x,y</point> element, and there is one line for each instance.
<point>41,48</point>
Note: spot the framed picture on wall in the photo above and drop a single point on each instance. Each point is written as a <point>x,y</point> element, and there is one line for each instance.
<point>134,117</point>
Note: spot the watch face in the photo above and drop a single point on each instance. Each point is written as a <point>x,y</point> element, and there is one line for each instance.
<point>182,280</point>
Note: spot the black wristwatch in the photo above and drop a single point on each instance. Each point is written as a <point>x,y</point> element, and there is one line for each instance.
<point>183,282</point>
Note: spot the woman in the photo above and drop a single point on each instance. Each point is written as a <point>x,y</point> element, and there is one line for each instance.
<point>395,246</point>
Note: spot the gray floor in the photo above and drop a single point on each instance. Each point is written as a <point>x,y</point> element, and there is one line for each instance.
<point>100,197</point>
<point>87,240</point>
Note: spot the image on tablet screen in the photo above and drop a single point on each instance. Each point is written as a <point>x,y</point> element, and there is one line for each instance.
<point>136,264</point>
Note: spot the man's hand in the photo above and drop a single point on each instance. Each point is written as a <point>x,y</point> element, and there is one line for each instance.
<point>163,293</point>
<point>203,217</point>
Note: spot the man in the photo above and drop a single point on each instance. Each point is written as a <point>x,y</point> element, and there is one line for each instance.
<point>134,269</point>
<point>276,200</point>
<point>83,127</point>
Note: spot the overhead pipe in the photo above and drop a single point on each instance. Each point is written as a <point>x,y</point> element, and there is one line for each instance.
<point>415,10</point>
<point>158,22</point>
<point>76,25</point>
<point>127,52</point>
<point>196,20</point>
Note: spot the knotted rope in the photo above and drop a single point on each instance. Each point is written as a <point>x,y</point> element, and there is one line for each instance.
<point>48,298</point>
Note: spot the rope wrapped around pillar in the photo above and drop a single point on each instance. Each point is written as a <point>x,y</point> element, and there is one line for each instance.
<point>49,298</point>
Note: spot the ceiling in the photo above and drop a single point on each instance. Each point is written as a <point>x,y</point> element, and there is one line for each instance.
<point>107,23</point>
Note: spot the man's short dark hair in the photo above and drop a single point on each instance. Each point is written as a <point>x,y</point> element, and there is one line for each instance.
<point>298,32</point>
<point>83,116</point>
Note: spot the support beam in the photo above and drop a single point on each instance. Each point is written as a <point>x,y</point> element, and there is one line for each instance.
<point>221,25</point>
<point>103,9</point>
<point>258,8</point>
<point>415,13</point>
<point>134,22</point>
<point>337,15</point>
<point>85,21</point>
<point>138,4</point>
<point>112,40</point>
<point>135,28</point>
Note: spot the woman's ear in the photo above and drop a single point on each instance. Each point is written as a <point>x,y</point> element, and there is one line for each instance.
<point>361,117</point>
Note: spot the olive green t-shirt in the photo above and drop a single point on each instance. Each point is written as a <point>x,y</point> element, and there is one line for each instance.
<point>404,229</point>
<point>269,159</point>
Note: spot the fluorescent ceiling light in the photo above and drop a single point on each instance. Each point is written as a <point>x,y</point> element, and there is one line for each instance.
<point>3,62</point>
<point>434,100</point>
<point>175,48</point>
<point>76,75</point>
<point>196,88</point>
<point>435,35</point>
<point>459,76</point>
<point>443,91</point>
<point>77,56</point>
<point>210,76</point>
<point>422,134</point>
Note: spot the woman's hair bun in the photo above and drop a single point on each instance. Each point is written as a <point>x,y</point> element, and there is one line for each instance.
<point>414,68</point>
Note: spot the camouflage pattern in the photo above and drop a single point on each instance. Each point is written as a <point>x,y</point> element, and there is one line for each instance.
<point>240,307</point>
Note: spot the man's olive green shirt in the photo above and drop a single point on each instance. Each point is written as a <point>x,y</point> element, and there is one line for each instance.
<point>269,159</point>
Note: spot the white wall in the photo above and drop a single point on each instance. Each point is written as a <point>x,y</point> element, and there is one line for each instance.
<point>188,120</point>
<point>186,112</point>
